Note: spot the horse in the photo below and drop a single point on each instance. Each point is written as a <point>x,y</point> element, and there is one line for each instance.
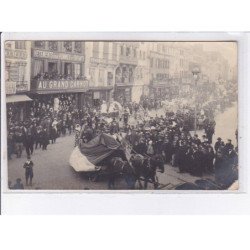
<point>145,167</point>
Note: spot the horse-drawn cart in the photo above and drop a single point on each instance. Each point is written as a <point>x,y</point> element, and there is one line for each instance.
<point>95,157</point>
<point>106,156</point>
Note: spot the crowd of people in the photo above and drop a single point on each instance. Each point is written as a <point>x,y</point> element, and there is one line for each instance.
<point>55,76</point>
<point>168,135</point>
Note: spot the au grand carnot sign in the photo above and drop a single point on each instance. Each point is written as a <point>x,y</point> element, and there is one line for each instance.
<point>59,86</point>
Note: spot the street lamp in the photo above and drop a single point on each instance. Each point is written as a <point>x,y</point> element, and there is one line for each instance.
<point>196,72</point>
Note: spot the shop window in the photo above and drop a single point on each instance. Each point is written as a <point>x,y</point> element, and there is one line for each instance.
<point>96,49</point>
<point>67,46</point>
<point>78,47</point>
<point>53,45</point>
<point>38,67</point>
<point>20,44</point>
<point>39,44</point>
<point>77,70</point>
<point>21,72</point>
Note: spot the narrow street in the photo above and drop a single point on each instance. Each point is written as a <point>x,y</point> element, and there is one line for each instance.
<point>52,170</point>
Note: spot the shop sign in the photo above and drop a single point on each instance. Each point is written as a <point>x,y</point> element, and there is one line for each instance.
<point>103,61</point>
<point>57,56</point>
<point>22,87</point>
<point>15,54</point>
<point>10,88</point>
<point>57,85</point>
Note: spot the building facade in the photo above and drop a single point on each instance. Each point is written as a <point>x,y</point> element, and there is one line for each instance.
<point>125,71</point>
<point>17,76</point>
<point>100,64</point>
<point>57,68</point>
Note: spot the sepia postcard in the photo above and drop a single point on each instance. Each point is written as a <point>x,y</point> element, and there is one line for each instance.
<point>120,114</point>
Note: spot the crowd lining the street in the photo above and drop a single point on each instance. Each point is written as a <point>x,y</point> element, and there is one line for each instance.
<point>168,135</point>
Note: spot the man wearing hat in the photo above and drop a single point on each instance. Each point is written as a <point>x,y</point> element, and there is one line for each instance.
<point>218,144</point>
<point>28,166</point>
<point>229,146</point>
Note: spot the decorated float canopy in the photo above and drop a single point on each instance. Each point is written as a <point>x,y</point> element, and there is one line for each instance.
<point>87,156</point>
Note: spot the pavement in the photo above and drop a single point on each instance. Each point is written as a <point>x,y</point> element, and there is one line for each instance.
<point>53,172</point>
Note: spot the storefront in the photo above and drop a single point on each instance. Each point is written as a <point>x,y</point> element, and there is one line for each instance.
<point>163,90</point>
<point>100,94</point>
<point>17,79</point>
<point>123,93</point>
<point>73,90</point>
<point>56,64</point>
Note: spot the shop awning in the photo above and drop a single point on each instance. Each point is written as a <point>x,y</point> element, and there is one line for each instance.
<point>17,98</point>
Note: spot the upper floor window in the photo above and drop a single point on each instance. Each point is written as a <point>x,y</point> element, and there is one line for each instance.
<point>128,51</point>
<point>135,53</point>
<point>40,44</point>
<point>96,49</point>
<point>106,50</point>
<point>67,46</point>
<point>114,51</point>
<point>20,44</point>
<point>122,50</point>
<point>78,47</point>
<point>53,45</point>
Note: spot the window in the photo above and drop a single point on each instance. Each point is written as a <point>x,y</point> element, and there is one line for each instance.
<point>77,70</point>
<point>144,56</point>
<point>110,78</point>
<point>101,75</point>
<point>53,45</point>
<point>20,44</point>
<point>122,50</point>
<point>106,50</point>
<point>114,51</point>
<point>96,49</point>
<point>128,51</point>
<point>68,69</point>
<point>38,67</point>
<point>151,62</point>
<point>39,44</point>
<point>78,47</point>
<point>135,53</point>
<point>92,75</point>
<point>52,67</point>
<point>67,46</point>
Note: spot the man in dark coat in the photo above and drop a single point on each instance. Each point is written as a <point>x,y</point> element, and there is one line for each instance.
<point>209,130</point>
<point>167,148</point>
<point>29,140</point>
<point>228,146</point>
<point>28,166</point>
<point>217,144</point>
<point>141,147</point>
<point>197,160</point>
